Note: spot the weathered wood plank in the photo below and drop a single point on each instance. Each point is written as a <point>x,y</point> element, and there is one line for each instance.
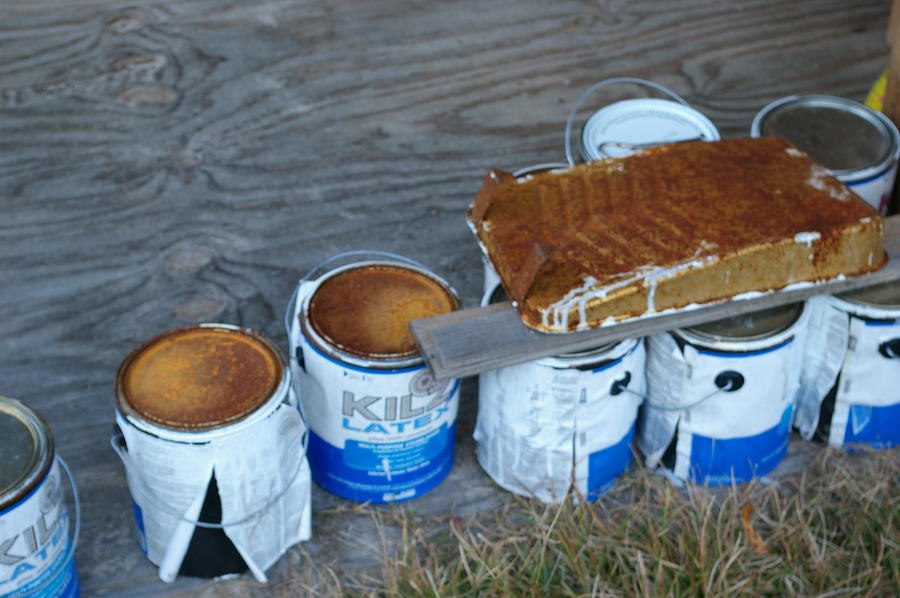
<point>173,161</point>
<point>475,340</point>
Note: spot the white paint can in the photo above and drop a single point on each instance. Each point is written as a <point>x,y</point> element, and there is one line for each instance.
<point>209,422</point>
<point>859,145</point>
<point>863,407</point>
<point>37,555</point>
<point>563,423</point>
<point>721,396</point>
<point>382,429</point>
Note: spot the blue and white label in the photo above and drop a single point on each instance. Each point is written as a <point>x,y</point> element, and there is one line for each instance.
<point>36,555</point>
<point>376,435</point>
<point>867,404</point>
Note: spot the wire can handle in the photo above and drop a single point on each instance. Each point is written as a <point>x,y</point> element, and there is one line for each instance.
<point>615,80</point>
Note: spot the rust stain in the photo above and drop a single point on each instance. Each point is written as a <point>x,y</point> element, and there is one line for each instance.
<point>147,95</point>
<point>366,311</point>
<point>200,377</point>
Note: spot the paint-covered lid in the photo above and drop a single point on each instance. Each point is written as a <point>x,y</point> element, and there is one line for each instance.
<point>628,126</point>
<point>199,377</point>
<point>842,135</point>
<point>26,450</point>
<point>885,295</point>
<point>754,326</point>
<point>366,310</point>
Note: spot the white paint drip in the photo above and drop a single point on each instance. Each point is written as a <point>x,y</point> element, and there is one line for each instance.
<point>807,238</point>
<point>557,314</point>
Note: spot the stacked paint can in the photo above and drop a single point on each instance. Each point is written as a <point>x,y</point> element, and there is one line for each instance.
<point>721,395</point>
<point>863,405</point>
<point>212,443</point>
<point>37,555</point>
<point>859,145</point>
<point>564,423</point>
<point>382,429</point>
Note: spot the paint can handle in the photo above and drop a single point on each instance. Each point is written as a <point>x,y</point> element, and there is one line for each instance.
<point>729,381</point>
<point>117,442</point>
<point>75,500</point>
<point>890,349</point>
<point>615,80</point>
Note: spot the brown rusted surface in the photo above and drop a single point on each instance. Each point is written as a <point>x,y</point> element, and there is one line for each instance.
<point>198,377</point>
<point>366,311</point>
<point>738,205</point>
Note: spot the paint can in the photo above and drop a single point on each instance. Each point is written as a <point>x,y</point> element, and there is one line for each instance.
<point>628,126</point>
<point>212,441</point>
<point>491,278</point>
<point>37,555</point>
<point>382,429</point>
<point>859,145</point>
<point>721,396</point>
<point>863,406</point>
<point>563,423</point>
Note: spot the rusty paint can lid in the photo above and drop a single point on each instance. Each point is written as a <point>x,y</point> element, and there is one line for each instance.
<point>26,450</point>
<point>199,377</point>
<point>365,310</point>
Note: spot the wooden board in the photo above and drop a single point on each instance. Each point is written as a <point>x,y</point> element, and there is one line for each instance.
<point>173,161</point>
<point>475,340</point>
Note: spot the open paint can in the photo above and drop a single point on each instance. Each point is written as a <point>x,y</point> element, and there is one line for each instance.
<point>863,407</point>
<point>382,429</point>
<point>721,396</point>
<point>560,424</point>
<point>212,443</point>
<point>859,145</point>
<point>37,554</point>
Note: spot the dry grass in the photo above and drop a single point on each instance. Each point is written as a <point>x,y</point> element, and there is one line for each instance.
<point>832,531</point>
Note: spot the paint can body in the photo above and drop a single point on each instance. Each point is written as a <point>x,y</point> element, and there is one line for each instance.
<point>38,552</point>
<point>210,427</point>
<point>721,396</point>
<point>863,406</point>
<point>564,423</point>
<point>382,429</point>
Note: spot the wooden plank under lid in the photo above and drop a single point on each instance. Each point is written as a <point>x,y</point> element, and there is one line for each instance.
<point>471,341</point>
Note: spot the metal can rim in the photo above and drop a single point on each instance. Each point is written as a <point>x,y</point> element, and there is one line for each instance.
<point>44,453</point>
<point>161,428</point>
<point>373,362</point>
<point>706,128</point>
<point>763,340</point>
<point>877,119</point>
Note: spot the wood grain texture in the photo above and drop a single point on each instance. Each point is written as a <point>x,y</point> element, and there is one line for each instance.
<point>170,162</point>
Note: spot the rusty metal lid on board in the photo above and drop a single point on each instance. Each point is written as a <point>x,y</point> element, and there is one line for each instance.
<point>754,326</point>
<point>885,295</point>
<point>845,136</point>
<point>365,310</point>
<point>199,377</point>
<point>26,450</point>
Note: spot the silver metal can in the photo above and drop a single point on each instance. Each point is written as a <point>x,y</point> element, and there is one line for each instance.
<point>37,557</point>
<point>859,145</point>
